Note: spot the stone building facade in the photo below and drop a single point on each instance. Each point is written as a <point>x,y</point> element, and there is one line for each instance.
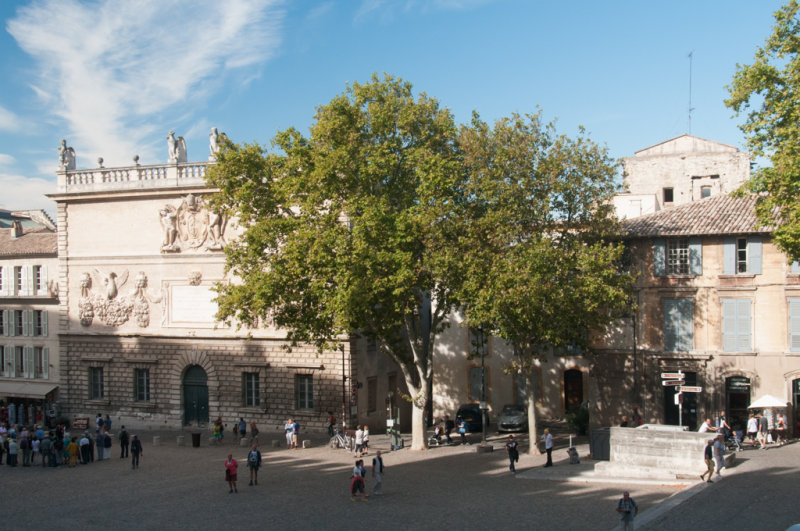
<point>29,362</point>
<point>139,251</point>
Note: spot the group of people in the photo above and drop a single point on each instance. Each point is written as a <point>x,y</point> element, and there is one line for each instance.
<point>359,478</point>
<point>764,429</point>
<point>232,469</point>
<point>361,441</point>
<point>292,429</point>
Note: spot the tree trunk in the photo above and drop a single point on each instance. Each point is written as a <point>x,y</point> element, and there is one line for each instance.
<point>532,433</point>
<point>419,440</point>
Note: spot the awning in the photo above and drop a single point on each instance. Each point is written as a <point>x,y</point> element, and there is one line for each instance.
<point>767,401</point>
<point>26,389</point>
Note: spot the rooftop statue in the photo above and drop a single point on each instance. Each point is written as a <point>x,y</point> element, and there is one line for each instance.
<point>176,148</point>
<point>214,140</point>
<point>66,156</point>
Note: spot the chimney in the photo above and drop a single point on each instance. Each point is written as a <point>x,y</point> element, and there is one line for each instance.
<point>16,227</point>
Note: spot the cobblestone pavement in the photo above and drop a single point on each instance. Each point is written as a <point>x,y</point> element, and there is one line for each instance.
<point>184,487</point>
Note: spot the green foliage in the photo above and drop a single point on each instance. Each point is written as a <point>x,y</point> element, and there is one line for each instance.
<point>767,92</point>
<point>578,419</point>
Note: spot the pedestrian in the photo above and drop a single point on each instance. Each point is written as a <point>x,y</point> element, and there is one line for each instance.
<point>722,426</point>
<point>13,451</point>
<point>547,437</point>
<point>106,446</point>
<point>218,431</point>
<point>708,457</point>
<point>624,423</point>
<point>706,427</point>
<point>35,444</point>
<point>365,444</point>
<point>377,473</point>
<point>752,429</point>
<point>242,428</point>
<point>46,449</point>
<point>295,434</point>
<point>231,467</point>
<point>136,451</point>
<point>358,481</point>
<point>289,428</point>
<point>763,430</point>
<point>449,425</point>
<point>627,509</point>
<point>512,448</point>
<point>331,423</point>
<point>719,454</point>
<point>73,449</point>
<point>462,430</point>
<point>25,448</point>
<point>124,443</point>
<point>636,418</point>
<point>359,441</point>
<point>107,424</point>
<point>780,429</point>
<point>99,422</point>
<point>253,433</point>
<point>85,450</point>
<point>254,463</point>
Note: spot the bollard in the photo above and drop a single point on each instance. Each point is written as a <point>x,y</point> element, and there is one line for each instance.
<point>156,440</point>
<point>180,440</point>
<point>306,443</point>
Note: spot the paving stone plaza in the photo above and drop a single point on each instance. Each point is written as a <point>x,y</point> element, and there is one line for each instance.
<point>451,487</point>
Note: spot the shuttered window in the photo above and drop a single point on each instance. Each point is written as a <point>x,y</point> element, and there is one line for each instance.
<point>741,255</point>
<point>678,325</point>
<point>794,325</point>
<point>677,256</point>
<point>736,325</point>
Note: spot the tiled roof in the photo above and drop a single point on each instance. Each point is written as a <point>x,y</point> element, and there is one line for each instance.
<point>721,214</point>
<point>34,241</point>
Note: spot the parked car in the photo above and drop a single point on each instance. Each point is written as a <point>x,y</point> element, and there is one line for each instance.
<point>513,417</point>
<point>472,415</point>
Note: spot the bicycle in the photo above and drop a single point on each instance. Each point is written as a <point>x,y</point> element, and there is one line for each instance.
<point>342,441</point>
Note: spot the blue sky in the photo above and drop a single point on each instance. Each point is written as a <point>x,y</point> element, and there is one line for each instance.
<point>114,77</point>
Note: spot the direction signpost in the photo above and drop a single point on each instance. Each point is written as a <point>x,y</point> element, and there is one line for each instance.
<point>668,383</point>
<point>676,379</point>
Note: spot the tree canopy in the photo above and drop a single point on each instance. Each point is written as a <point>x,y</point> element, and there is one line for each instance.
<point>541,266</point>
<point>349,230</point>
<point>767,92</point>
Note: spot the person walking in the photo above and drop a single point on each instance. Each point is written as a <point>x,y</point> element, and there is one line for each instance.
<point>448,427</point>
<point>627,509</point>
<point>752,429</point>
<point>377,473</point>
<point>331,423</point>
<point>136,451</point>
<point>719,454</point>
<point>358,481</point>
<point>359,441</point>
<point>365,443</point>
<point>253,433</point>
<point>708,457</point>
<point>84,448</point>
<point>242,428</point>
<point>780,429</point>
<point>124,443</point>
<point>107,446</point>
<point>254,463</point>
<point>512,448</point>
<point>46,448</point>
<point>289,428</point>
<point>231,468</point>
<point>73,449</point>
<point>763,430</point>
<point>295,434</point>
<point>462,430</point>
<point>547,437</point>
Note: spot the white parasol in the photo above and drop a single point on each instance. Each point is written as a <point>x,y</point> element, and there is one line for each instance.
<point>767,401</point>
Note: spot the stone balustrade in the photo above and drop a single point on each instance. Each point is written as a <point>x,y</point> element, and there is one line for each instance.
<point>187,174</point>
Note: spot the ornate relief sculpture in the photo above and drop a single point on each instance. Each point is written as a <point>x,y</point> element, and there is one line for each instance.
<point>108,306</point>
<point>191,225</point>
<point>176,148</point>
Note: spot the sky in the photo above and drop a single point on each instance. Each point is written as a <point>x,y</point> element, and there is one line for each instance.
<point>114,77</point>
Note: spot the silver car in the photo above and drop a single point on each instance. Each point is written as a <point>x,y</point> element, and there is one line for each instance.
<point>513,418</point>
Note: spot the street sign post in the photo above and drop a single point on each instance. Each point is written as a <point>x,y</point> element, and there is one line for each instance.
<point>672,375</point>
<point>667,383</point>
<point>690,389</point>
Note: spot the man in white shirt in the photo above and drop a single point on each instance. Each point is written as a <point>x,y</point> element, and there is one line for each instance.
<point>706,426</point>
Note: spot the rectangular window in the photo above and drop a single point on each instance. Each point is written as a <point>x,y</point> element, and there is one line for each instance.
<point>668,195</point>
<point>2,280</point>
<point>19,283</point>
<point>38,280</point>
<point>372,395</point>
<point>678,325</point>
<point>19,323</point>
<point>705,191</point>
<point>794,325</point>
<point>39,323</point>
<point>305,391</point>
<point>40,362</point>
<point>478,343</point>
<point>5,360</point>
<point>141,391</point>
<point>3,322</point>
<point>19,362</point>
<point>476,384</point>
<point>250,389</point>
<point>741,255</point>
<point>96,389</point>
<point>736,325</point>
<point>678,256</point>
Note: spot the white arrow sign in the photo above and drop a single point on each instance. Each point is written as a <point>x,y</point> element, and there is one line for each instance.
<point>690,389</point>
<point>672,375</point>
<point>667,383</point>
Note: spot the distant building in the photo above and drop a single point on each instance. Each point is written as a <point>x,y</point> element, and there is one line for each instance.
<point>678,171</point>
<point>29,362</point>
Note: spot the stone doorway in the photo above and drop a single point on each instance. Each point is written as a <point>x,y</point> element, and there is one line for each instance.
<point>573,389</point>
<point>737,398</point>
<point>195,396</point>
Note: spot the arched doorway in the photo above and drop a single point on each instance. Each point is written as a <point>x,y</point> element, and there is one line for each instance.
<point>573,389</point>
<point>195,395</point>
<point>737,398</point>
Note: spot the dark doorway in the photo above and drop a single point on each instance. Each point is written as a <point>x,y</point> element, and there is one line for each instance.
<point>737,398</point>
<point>573,389</point>
<point>796,404</point>
<point>689,403</point>
<point>195,395</point>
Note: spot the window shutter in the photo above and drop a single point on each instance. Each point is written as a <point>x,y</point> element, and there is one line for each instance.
<point>678,325</point>
<point>12,322</point>
<point>659,262</point>
<point>729,325</point>
<point>41,289</point>
<point>743,317</point>
<point>729,256</point>
<point>695,256</point>
<point>44,322</point>
<point>4,316</point>
<point>27,322</point>
<point>27,368</point>
<point>754,255</point>
<point>794,325</point>
<point>45,362</point>
<point>7,352</point>
<point>5,281</point>
<point>795,268</point>
<point>27,280</point>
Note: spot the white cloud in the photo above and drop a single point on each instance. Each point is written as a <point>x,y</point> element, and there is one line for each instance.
<point>112,69</point>
<point>6,161</point>
<point>26,193</point>
<point>8,120</point>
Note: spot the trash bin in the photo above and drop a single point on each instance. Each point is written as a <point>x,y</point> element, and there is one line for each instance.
<point>196,440</point>
<point>599,444</point>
